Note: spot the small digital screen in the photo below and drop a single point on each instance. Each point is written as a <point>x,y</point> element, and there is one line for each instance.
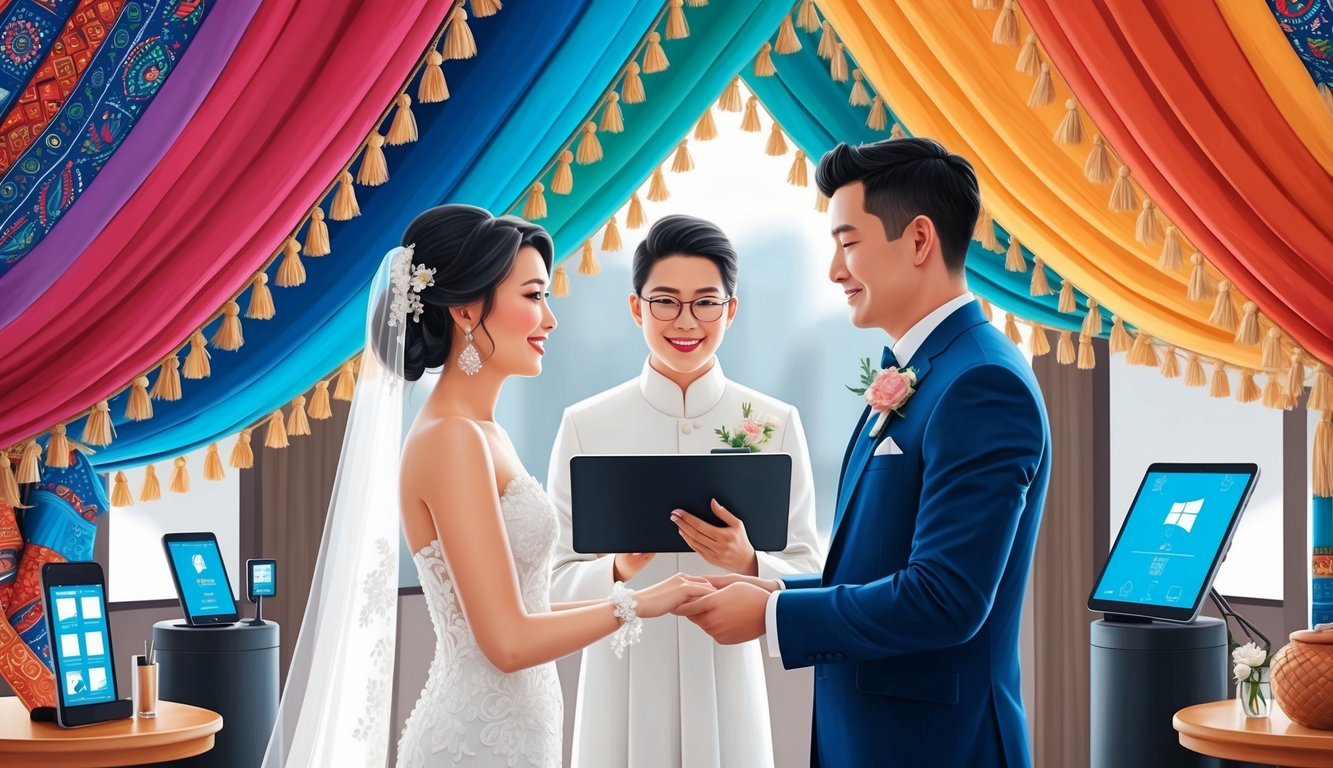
<point>261,580</point>
<point>78,613</point>
<point>1171,538</point>
<point>202,578</point>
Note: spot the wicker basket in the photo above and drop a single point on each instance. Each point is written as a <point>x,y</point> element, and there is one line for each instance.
<point>1303,679</point>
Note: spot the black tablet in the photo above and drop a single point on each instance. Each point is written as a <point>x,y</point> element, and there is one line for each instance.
<point>200,578</point>
<point>1173,540</point>
<point>623,503</point>
<point>74,598</point>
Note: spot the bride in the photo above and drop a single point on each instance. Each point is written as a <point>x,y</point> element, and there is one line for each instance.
<point>466,291</point>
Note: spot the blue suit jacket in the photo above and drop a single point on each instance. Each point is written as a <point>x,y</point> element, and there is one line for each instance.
<point>913,626</point>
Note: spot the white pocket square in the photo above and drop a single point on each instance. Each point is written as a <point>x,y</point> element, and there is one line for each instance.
<point>888,448</point>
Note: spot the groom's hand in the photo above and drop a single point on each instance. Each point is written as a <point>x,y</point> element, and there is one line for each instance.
<point>724,546</point>
<point>733,614</point>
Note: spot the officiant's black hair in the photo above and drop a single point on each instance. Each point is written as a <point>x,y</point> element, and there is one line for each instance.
<point>472,252</point>
<point>681,235</point>
<point>910,177</point>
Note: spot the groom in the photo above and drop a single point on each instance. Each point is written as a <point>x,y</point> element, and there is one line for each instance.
<point>913,626</point>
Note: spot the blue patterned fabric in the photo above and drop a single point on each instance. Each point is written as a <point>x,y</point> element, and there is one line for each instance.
<point>1308,24</point>
<point>28,29</point>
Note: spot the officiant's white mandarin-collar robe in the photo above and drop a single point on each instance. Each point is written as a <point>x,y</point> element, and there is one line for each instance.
<point>677,698</point>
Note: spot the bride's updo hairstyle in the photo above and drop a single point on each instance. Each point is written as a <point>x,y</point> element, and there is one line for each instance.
<point>472,252</point>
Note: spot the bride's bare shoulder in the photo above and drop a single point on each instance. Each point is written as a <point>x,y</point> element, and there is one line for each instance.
<point>435,437</point>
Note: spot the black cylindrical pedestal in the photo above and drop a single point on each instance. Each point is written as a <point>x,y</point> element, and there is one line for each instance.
<point>1142,674</point>
<point>230,670</point>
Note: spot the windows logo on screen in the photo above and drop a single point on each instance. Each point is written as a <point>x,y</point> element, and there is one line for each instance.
<point>1184,513</point>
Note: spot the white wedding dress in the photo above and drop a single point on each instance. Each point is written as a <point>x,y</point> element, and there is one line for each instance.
<point>470,713</point>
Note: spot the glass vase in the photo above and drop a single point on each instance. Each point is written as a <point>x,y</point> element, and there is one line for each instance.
<point>1255,694</point>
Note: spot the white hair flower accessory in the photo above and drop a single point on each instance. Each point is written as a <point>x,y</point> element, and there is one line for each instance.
<point>407,282</point>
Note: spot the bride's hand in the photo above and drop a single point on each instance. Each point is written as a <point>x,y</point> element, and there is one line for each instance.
<point>664,596</point>
<point>724,579</point>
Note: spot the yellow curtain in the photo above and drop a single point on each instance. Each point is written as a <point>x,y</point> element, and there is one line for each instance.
<point>947,80</point>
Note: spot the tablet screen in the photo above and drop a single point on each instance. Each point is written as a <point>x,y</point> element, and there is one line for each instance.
<point>1172,539</point>
<point>202,578</point>
<point>81,644</point>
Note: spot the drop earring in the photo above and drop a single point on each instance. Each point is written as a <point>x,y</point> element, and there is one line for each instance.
<point>469,362</point>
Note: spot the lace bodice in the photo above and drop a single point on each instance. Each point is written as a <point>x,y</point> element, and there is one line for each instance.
<point>470,712</point>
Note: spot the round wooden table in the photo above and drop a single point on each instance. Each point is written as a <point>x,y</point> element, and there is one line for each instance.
<point>179,730</point>
<point>1220,729</point>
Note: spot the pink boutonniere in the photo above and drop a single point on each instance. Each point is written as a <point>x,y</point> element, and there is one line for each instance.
<point>886,391</point>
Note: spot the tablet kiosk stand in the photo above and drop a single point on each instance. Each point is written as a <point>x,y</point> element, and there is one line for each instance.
<point>258,620</point>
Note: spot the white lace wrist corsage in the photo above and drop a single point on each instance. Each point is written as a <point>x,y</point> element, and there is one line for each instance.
<point>631,626</point>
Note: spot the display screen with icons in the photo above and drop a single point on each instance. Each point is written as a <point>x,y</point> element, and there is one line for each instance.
<point>81,644</point>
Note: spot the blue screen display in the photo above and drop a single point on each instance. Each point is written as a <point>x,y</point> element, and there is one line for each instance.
<point>203,579</point>
<point>1171,537</point>
<point>81,643</point>
<point>261,580</point>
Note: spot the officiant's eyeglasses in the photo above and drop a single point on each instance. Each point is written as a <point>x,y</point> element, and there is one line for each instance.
<point>705,310</point>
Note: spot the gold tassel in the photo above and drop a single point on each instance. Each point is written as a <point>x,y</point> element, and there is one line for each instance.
<point>1006,26</point>
<point>9,487</point>
<point>196,363</point>
<point>1039,286</point>
<point>750,122</point>
<point>344,205</point>
<point>1123,196</point>
<point>180,476</point>
<point>1274,395</point>
<point>682,163</point>
<point>1194,375</point>
<point>1322,469</point>
<point>276,436</point>
<point>242,455</point>
<point>1224,310</point>
<point>1097,169</point>
<point>984,232</point>
<point>229,336</point>
<point>1067,302</point>
<point>433,89</point>
<point>859,97</point>
<point>763,62</point>
<point>730,100</point>
<point>1171,260</point>
<point>798,176</point>
<point>374,167</point>
<point>677,27</point>
<point>655,58</point>
<point>213,470</point>
<point>1039,344</point>
<point>1064,351</point>
<point>403,129</point>
<point>1247,332</point>
<point>613,119</point>
<point>986,309</point>
<point>897,132</point>
<point>1199,287</point>
<point>168,384</point>
<point>29,463</point>
<point>827,40</point>
<point>320,407</point>
<point>1070,130</point>
<point>838,66</point>
<point>140,405</point>
<point>1148,230</point>
<point>631,88</point>
<point>535,207</point>
<point>297,423</point>
<point>1273,358</point>
<point>458,41</point>
<point>777,145</point>
<point>706,128</point>
<point>1092,322</point>
<point>821,202</point>
<point>58,449</point>
<point>611,236</point>
<point>588,264</point>
<point>120,491</point>
<point>560,283</point>
<point>1043,93</point>
<point>657,189</point>
<point>1143,352</point>
<point>806,18</point>
<point>878,119</point>
<point>788,42</point>
<point>1296,376</point>
<point>291,272</point>
<point>1011,328</point>
<point>590,149</point>
<point>1087,358</point>
<point>1249,391</point>
<point>1013,258</point>
<point>1221,384</point>
<point>152,488</point>
<point>261,299</point>
<point>97,429</point>
<point>345,387</point>
<point>634,217</point>
<point>1120,339</point>
<point>986,5</point>
<point>317,235</point>
<point>484,8</point>
<point>1029,61</point>
<point>1321,394</point>
<point>562,183</point>
<point>1171,364</point>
